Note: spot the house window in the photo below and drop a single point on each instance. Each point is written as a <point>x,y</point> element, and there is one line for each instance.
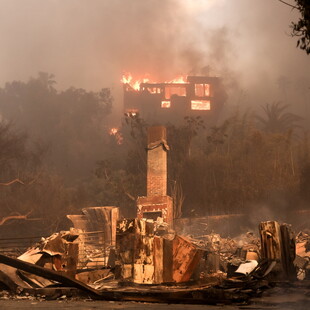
<point>166,104</point>
<point>153,90</point>
<point>175,90</point>
<point>200,105</point>
<point>202,90</point>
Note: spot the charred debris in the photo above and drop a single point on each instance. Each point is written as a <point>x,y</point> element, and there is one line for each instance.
<point>150,258</point>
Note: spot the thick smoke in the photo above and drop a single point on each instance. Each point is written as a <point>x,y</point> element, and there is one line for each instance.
<point>89,44</point>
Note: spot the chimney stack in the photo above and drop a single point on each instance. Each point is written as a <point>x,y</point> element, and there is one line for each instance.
<point>157,162</point>
<point>156,203</point>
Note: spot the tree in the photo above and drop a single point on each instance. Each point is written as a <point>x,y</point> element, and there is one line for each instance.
<point>12,149</point>
<point>276,120</point>
<point>72,123</point>
<point>301,28</point>
<point>42,170</point>
<point>120,176</point>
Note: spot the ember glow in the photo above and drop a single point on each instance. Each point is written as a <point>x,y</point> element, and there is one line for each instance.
<point>165,104</point>
<point>116,133</point>
<point>113,131</point>
<point>173,90</point>
<point>202,90</point>
<point>200,105</point>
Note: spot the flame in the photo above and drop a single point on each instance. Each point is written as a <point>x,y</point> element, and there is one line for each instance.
<point>181,79</point>
<point>166,104</point>
<point>126,78</point>
<point>135,84</point>
<point>117,134</point>
<point>113,131</point>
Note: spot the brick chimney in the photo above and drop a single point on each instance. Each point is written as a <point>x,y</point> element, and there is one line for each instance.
<point>156,203</point>
<point>157,162</point>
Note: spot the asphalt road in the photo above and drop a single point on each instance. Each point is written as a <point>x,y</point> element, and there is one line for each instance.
<point>90,305</point>
<point>110,305</point>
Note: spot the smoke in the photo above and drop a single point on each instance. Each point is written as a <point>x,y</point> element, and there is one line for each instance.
<point>89,44</point>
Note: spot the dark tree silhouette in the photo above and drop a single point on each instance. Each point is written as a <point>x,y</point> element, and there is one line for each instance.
<point>276,120</point>
<point>71,123</point>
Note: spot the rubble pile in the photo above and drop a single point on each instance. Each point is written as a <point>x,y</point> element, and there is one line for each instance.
<point>53,251</point>
<point>225,255</point>
<point>150,259</point>
<point>97,226</point>
<point>58,252</point>
<point>174,267</point>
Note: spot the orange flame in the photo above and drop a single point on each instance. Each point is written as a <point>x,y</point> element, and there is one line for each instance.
<point>181,79</point>
<point>113,131</point>
<point>116,133</point>
<point>135,84</point>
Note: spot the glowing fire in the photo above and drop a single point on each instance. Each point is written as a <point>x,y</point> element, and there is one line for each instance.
<point>113,131</point>
<point>182,79</point>
<point>128,79</point>
<point>132,112</point>
<point>135,84</point>
<point>200,105</point>
<point>202,90</point>
<point>116,133</point>
<point>165,104</point>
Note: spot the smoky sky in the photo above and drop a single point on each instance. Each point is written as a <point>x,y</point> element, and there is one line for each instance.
<point>89,44</point>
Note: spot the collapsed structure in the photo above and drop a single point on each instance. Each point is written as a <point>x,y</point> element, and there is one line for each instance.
<point>103,255</point>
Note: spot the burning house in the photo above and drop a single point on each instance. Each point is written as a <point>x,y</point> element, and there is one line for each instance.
<point>191,96</point>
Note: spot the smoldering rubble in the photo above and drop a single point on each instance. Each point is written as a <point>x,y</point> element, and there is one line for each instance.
<point>150,259</point>
<point>151,262</point>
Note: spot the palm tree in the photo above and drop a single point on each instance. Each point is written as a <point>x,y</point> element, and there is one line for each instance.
<point>276,120</point>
